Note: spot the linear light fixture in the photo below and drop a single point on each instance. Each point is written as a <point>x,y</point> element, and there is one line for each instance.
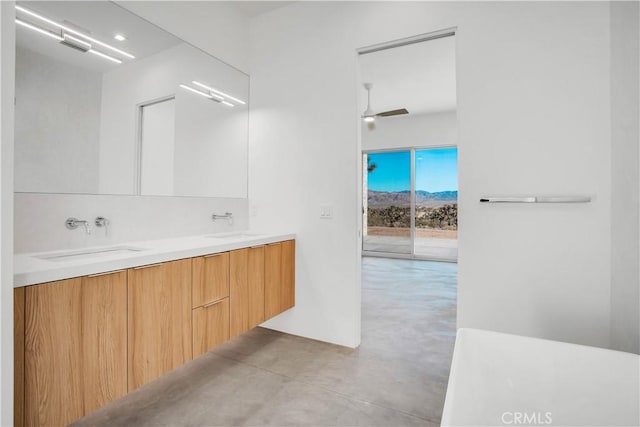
<point>68,41</point>
<point>218,92</point>
<point>38,29</point>
<point>76,43</point>
<point>211,96</point>
<point>199,92</point>
<point>105,56</point>
<point>72,31</point>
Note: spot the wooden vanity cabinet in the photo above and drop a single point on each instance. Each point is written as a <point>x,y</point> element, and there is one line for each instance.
<point>159,309</point>
<point>279,277</point>
<point>246,289</point>
<point>74,347</point>
<point>83,342</point>
<point>210,302</point>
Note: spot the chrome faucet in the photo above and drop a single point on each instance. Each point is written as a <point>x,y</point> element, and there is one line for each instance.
<point>73,223</point>
<point>227,215</point>
<point>101,221</point>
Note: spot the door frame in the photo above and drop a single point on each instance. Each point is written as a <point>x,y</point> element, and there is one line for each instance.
<point>139,123</point>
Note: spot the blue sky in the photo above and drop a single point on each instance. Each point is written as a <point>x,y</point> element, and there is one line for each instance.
<point>436,170</point>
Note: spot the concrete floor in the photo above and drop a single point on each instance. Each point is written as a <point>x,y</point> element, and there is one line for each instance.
<point>397,377</point>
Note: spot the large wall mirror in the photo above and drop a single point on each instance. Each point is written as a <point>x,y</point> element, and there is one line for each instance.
<point>107,103</point>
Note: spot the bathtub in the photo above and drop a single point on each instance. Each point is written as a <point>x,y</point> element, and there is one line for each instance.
<point>501,379</point>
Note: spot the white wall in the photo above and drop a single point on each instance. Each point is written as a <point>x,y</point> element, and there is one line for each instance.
<point>533,117</point>
<point>56,125</point>
<point>423,130</point>
<point>211,148</point>
<point>39,219</point>
<point>7,84</point>
<point>625,184</point>
<point>213,26</point>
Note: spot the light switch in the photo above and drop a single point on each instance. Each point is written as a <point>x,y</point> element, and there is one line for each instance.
<point>326,212</point>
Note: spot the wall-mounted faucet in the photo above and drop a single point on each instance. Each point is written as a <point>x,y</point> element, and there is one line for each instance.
<point>227,215</point>
<point>73,223</point>
<point>101,221</point>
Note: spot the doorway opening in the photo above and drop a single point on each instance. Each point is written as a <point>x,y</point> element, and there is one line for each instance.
<point>409,148</point>
<point>409,176</point>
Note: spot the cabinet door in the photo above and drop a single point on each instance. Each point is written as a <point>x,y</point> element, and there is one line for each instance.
<point>75,347</point>
<point>288,284</point>
<point>159,325</point>
<point>104,338</point>
<point>279,274</point>
<point>272,279</point>
<point>210,326</point>
<point>246,289</point>
<point>238,292</point>
<point>210,278</point>
<point>53,353</point>
<point>256,286</point>
<point>18,355</point>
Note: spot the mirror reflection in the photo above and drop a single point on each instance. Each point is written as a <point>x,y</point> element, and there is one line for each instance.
<point>107,103</point>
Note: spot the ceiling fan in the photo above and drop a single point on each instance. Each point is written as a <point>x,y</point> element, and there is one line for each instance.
<point>369,116</point>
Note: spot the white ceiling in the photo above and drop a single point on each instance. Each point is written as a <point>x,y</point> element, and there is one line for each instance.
<point>255,8</point>
<point>99,19</point>
<point>420,77</point>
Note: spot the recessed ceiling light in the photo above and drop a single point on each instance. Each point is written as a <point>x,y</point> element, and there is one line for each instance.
<point>119,37</point>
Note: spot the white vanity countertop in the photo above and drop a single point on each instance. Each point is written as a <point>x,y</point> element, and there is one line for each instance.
<point>31,268</point>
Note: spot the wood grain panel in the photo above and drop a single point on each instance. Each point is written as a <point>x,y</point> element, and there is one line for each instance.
<point>18,355</point>
<point>238,292</point>
<point>256,286</point>
<point>104,339</point>
<point>210,326</point>
<point>53,362</point>
<point>210,278</point>
<point>159,327</point>
<point>288,284</point>
<point>180,278</point>
<point>272,279</point>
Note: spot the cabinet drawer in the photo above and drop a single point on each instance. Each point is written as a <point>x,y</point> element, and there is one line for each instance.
<point>210,326</point>
<point>210,279</point>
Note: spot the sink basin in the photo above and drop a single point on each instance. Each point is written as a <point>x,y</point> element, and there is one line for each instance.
<point>89,253</point>
<point>235,235</point>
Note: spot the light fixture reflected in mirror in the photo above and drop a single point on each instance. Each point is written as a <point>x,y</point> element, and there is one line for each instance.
<point>219,92</point>
<point>78,40</point>
<point>210,94</point>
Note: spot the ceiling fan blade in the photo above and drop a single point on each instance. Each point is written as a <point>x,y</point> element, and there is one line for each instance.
<point>393,113</point>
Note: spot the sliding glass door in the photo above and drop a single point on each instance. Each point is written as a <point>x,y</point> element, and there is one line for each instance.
<point>436,203</point>
<point>387,202</point>
<point>410,203</point>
